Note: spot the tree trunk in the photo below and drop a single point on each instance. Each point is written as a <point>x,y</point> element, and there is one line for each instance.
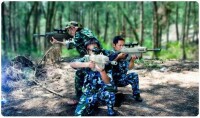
<point>97,24</point>
<point>60,22</point>
<point>129,22</point>
<point>35,22</point>
<point>18,36</point>
<point>195,21</point>
<point>14,27</point>
<point>69,12</point>
<point>106,26</point>
<point>3,8</point>
<point>167,35</point>
<point>82,16</point>
<point>54,18</point>
<point>10,44</point>
<point>141,23</point>
<point>18,33</point>
<point>135,18</point>
<point>41,43</point>
<point>155,28</point>
<point>27,29</point>
<point>118,21</point>
<point>61,16</point>
<point>123,33</point>
<point>177,19</point>
<point>90,18</point>
<point>188,21</point>
<point>160,35</point>
<point>49,19</point>
<point>183,31</point>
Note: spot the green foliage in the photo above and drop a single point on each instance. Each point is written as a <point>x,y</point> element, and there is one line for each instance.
<point>69,53</point>
<point>173,52</point>
<point>148,43</point>
<point>149,64</point>
<point>93,16</point>
<point>106,45</point>
<point>192,51</point>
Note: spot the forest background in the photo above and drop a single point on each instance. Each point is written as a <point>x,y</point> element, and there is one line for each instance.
<point>30,88</point>
<point>171,26</point>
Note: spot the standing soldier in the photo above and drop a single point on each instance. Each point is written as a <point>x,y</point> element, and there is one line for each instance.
<point>80,36</point>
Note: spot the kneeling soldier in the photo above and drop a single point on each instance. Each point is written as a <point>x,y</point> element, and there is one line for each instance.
<point>97,85</point>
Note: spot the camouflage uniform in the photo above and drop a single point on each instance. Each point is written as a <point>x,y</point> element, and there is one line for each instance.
<point>80,73</point>
<point>121,78</point>
<point>81,36</point>
<point>94,90</point>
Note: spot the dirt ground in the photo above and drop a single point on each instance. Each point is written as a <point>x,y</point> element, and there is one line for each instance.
<point>170,90</point>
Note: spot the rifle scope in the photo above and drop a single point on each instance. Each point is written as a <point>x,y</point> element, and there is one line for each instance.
<point>130,44</point>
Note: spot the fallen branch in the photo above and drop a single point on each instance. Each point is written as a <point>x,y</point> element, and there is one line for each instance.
<point>46,54</point>
<point>47,88</point>
<point>36,82</point>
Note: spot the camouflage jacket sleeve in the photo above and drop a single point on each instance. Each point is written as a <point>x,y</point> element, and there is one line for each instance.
<point>81,37</point>
<point>79,60</point>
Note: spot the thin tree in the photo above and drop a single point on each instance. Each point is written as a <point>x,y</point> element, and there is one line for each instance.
<point>155,28</point>
<point>124,33</point>
<point>129,22</point>
<point>49,18</point>
<point>3,10</point>
<point>177,21</point>
<point>106,26</point>
<point>14,27</point>
<point>27,28</point>
<point>183,31</point>
<point>97,23</point>
<point>35,23</point>
<point>195,22</point>
<point>10,27</point>
<point>141,23</point>
<point>188,20</point>
<point>119,23</point>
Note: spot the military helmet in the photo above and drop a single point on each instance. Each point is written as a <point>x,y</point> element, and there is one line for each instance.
<point>73,23</point>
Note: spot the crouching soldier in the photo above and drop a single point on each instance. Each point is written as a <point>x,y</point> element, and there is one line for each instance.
<point>120,76</point>
<point>97,85</point>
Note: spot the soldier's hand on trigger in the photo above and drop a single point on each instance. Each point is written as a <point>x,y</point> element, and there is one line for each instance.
<point>134,57</point>
<point>121,56</point>
<point>53,41</point>
<point>98,68</point>
<point>91,64</point>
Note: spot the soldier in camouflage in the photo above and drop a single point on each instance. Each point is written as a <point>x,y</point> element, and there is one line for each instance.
<point>80,36</point>
<point>98,85</point>
<point>120,76</point>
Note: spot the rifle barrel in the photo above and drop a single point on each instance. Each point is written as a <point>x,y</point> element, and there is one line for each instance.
<point>39,35</point>
<point>156,49</point>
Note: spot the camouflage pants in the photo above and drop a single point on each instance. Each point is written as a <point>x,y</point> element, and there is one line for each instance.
<point>132,79</point>
<point>87,103</point>
<point>79,80</point>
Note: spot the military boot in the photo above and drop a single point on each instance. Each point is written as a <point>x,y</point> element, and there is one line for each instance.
<point>137,98</point>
